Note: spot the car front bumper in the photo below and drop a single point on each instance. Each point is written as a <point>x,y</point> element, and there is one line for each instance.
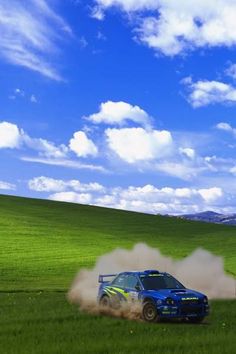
<point>183,311</point>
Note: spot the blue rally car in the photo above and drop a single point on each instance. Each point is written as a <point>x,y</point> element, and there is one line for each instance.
<point>161,295</point>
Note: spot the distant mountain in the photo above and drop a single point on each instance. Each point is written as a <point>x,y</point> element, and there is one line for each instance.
<point>211,216</point>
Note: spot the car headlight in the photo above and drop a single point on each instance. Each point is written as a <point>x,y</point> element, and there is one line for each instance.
<point>170,301</point>
<point>159,302</point>
<point>205,300</point>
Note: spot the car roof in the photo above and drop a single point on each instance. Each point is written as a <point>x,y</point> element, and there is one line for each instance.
<point>144,272</point>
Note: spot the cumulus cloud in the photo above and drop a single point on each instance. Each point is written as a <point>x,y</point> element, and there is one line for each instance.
<point>82,145</point>
<point>203,93</point>
<point>138,144</point>
<point>118,113</point>
<point>226,127</point>
<point>10,136</point>
<point>72,197</point>
<point>150,199</point>
<point>233,170</point>
<point>47,184</point>
<point>211,194</point>
<point>147,198</point>
<point>173,27</point>
<point>7,186</point>
<point>29,35</point>
<point>231,71</point>
<point>188,152</point>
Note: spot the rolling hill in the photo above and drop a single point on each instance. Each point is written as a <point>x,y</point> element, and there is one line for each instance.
<point>43,243</point>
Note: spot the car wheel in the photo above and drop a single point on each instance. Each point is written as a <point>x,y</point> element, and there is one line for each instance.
<point>195,319</point>
<point>149,312</point>
<point>115,302</point>
<point>105,302</point>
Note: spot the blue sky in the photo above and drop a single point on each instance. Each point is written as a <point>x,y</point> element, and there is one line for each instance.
<point>125,104</point>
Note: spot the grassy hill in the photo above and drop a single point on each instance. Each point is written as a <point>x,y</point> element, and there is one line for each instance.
<point>43,243</point>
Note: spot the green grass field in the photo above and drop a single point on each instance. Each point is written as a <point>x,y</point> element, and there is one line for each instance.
<point>46,323</point>
<point>42,246</point>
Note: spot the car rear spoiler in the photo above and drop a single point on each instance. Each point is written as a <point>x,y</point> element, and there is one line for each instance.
<point>102,276</point>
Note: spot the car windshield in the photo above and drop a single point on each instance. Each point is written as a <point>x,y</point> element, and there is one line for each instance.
<point>160,281</point>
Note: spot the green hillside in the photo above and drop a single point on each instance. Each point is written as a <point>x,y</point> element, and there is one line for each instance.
<point>43,243</point>
<point>42,246</point>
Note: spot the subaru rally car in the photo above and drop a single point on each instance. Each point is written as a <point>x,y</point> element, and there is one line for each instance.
<point>160,294</point>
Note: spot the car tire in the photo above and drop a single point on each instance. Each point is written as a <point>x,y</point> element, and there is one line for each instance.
<point>105,302</point>
<point>195,319</point>
<point>149,312</point>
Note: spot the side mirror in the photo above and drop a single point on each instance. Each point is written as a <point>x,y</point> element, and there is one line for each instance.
<point>138,287</point>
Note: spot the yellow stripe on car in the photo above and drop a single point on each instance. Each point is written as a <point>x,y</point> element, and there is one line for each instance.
<point>121,291</point>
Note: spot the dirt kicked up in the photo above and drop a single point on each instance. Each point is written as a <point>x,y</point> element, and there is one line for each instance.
<point>201,270</point>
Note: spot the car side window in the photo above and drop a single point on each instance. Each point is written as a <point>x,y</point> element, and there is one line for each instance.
<point>119,281</point>
<point>131,282</point>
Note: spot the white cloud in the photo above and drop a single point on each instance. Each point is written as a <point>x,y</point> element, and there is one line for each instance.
<point>85,187</point>
<point>83,42</point>
<point>67,163</point>
<point>33,99</point>
<point>7,186</point>
<point>10,135</point>
<point>221,167</point>
<point>72,197</point>
<point>189,152</point>
<point>129,5</point>
<point>46,148</point>
<point>97,13</point>
<point>118,113</point>
<point>47,152</point>
<point>164,200</point>
<point>203,93</point>
<point>106,200</point>
<point>226,127</point>
<point>233,170</point>
<point>19,93</point>
<point>211,194</point>
<point>29,35</point>
<point>173,27</point>
<point>82,145</point>
<point>148,198</point>
<point>231,71</point>
<point>47,184</point>
<point>137,144</point>
<point>179,169</point>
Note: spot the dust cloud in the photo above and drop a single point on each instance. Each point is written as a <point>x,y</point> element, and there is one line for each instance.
<point>201,271</point>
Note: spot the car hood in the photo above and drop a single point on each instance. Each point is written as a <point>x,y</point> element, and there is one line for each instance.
<point>175,294</point>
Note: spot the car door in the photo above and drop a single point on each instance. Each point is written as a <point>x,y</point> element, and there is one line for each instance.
<point>132,287</point>
<point>118,286</point>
